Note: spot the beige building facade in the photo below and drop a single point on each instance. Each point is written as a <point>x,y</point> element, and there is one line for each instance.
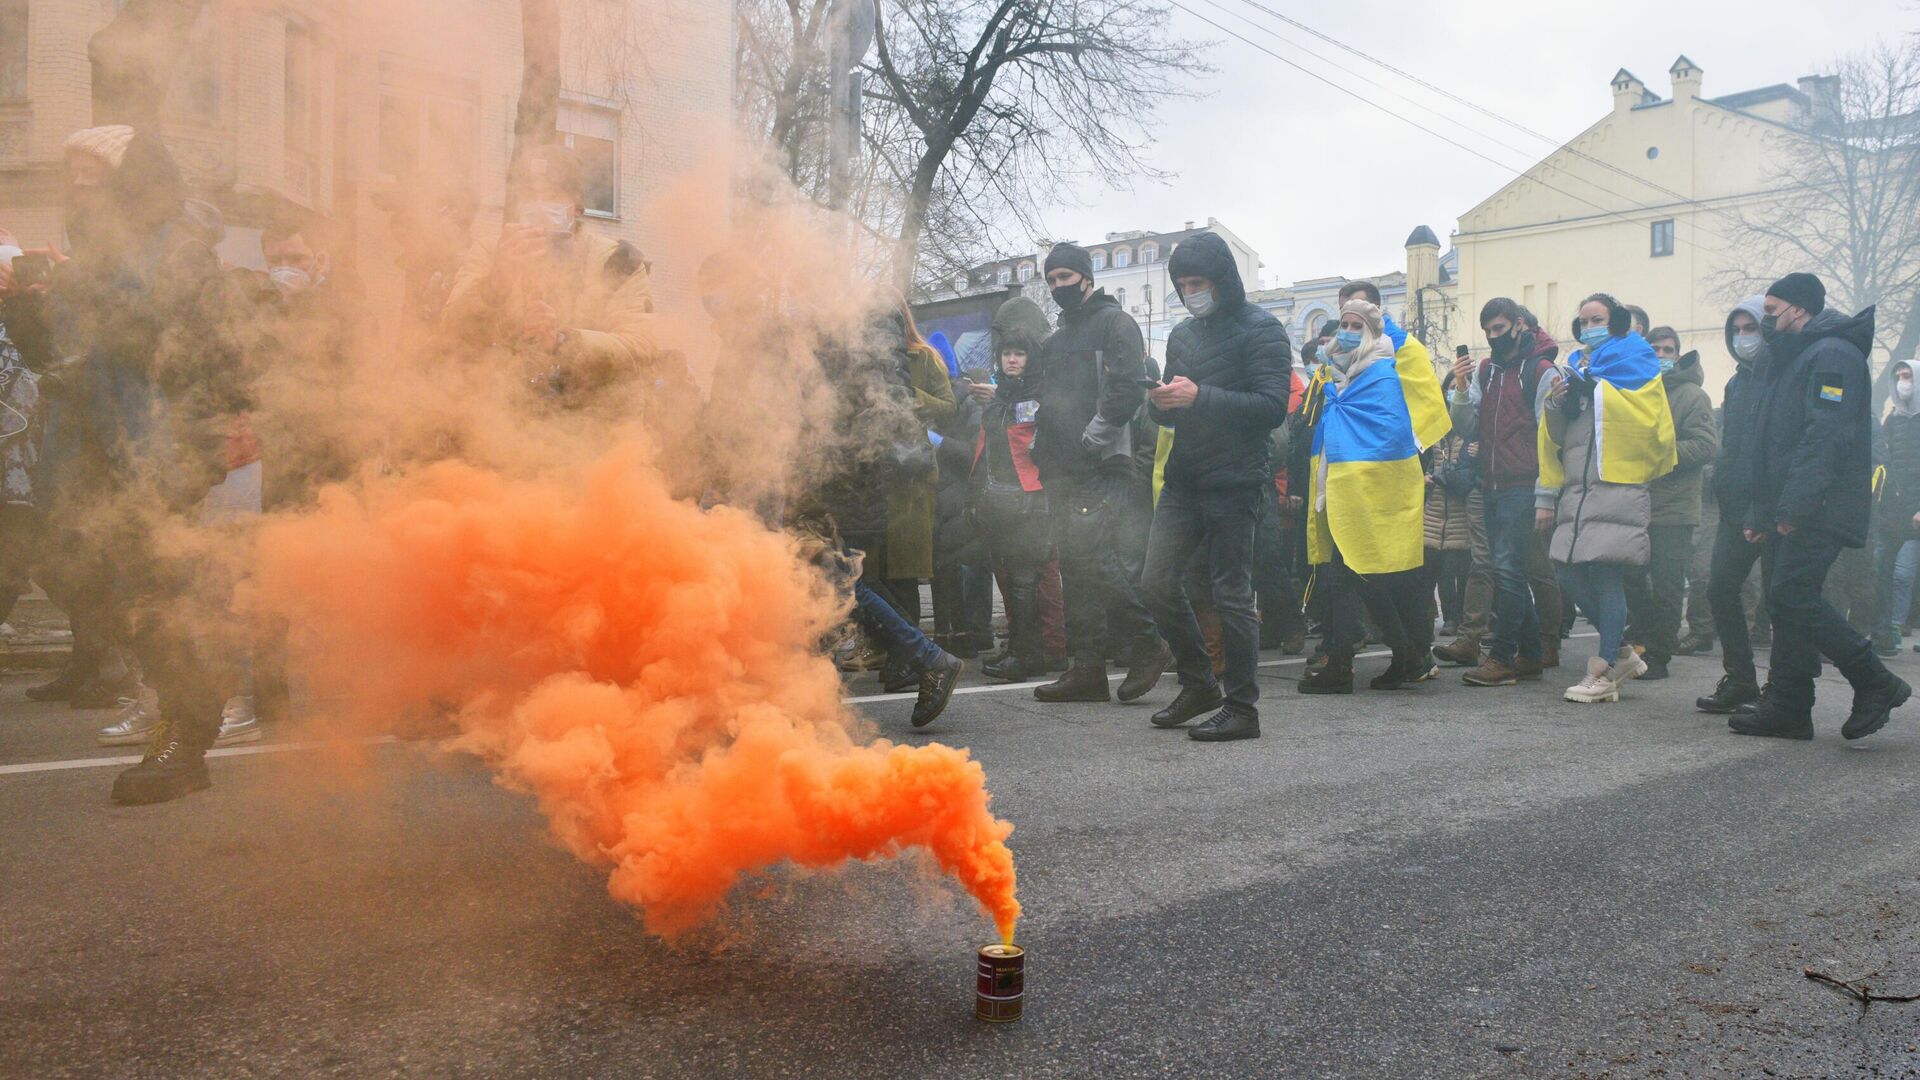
<point>1643,205</point>
<point>333,106</point>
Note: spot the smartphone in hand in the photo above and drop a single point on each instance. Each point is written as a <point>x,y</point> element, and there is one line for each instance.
<point>32,268</point>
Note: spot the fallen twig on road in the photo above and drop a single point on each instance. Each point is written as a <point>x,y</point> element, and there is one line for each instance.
<point>1858,991</point>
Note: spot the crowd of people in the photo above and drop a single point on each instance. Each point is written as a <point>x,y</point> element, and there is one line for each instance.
<point>154,399</point>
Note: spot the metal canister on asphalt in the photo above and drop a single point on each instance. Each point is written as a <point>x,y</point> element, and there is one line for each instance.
<point>1002,981</point>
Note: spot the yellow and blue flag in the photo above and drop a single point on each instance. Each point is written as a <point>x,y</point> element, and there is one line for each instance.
<point>1369,438</point>
<point>1633,436</point>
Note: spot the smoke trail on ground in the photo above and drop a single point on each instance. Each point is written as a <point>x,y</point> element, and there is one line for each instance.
<point>649,671</point>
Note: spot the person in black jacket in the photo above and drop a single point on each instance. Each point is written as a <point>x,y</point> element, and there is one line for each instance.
<point>1229,370</point>
<point>1092,375</point>
<point>1733,555</point>
<point>1812,495</point>
<point>1896,539</point>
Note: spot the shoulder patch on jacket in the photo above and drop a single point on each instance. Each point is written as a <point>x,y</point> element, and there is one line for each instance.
<point>1832,393</point>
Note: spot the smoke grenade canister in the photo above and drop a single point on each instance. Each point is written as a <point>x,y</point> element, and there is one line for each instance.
<point>1001,984</point>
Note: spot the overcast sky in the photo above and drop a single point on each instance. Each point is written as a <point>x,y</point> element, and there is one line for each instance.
<point>1252,152</point>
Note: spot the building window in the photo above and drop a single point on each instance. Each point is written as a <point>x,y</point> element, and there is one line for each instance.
<point>1149,254</point>
<point>1122,258</point>
<point>594,137</point>
<point>13,50</point>
<point>298,78</point>
<point>1005,276</point>
<point>1314,322</point>
<point>426,132</point>
<point>1120,296</point>
<point>1099,261</point>
<point>1663,238</point>
<point>1026,272</point>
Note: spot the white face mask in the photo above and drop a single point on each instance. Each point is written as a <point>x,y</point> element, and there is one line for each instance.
<point>7,252</point>
<point>1903,389</point>
<point>556,218</point>
<point>290,280</point>
<point>1199,302</point>
<point>1747,346</point>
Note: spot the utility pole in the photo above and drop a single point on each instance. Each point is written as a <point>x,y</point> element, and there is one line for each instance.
<point>849,36</point>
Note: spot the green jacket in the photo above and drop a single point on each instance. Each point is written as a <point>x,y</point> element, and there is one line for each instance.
<point>910,500</point>
<point>1676,496</point>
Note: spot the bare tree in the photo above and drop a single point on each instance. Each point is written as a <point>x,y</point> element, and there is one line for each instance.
<point>1847,196</point>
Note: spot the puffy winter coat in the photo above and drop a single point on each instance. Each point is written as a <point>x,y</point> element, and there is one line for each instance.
<point>1090,388</point>
<point>1446,525</point>
<point>1240,357</point>
<point>1814,430</point>
<point>1900,453</point>
<point>1594,521</point>
<point>1733,465</point>
<point>1676,496</point>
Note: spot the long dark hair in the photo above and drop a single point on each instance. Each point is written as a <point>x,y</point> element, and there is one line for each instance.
<point>1619,319</point>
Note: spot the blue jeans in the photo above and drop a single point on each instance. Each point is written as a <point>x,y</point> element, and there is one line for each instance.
<point>1898,567</point>
<point>1219,524</point>
<point>1510,536</point>
<point>903,640</point>
<point>1600,591</point>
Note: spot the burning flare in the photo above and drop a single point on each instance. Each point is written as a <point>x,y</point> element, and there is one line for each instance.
<point>647,670</point>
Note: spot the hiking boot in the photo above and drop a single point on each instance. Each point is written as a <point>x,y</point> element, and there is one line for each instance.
<point>1694,645</point>
<point>1528,670</point>
<point>1768,718</point>
<point>1600,685</point>
<point>1493,672</point>
<point>1333,678</point>
<point>170,770</point>
<point>237,722</point>
<point>61,686</point>
<point>936,688</point>
<point>1186,705</point>
<point>135,726</point>
<point>1227,725</point>
<point>1461,652</point>
<point>1629,666</point>
<point>1144,672</point>
<point>1729,694</point>
<point>1010,668</point>
<point>1655,669</point>
<point>1873,708</point>
<point>1082,682</point>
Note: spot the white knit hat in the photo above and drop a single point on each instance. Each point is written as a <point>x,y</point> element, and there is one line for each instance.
<point>108,143</point>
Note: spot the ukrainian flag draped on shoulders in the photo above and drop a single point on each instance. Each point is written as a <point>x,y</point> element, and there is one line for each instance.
<point>1367,445</point>
<point>1633,437</point>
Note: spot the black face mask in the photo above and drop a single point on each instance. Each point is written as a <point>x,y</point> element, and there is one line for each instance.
<point>1505,345</point>
<point>1770,328</point>
<point>1069,297</point>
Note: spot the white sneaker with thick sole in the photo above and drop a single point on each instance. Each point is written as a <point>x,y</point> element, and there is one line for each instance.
<point>237,722</point>
<point>1599,685</point>
<point>134,728</point>
<point>1631,665</point>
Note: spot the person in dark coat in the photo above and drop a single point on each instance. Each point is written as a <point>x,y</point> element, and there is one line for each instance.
<point>1733,555</point>
<point>1229,376</point>
<point>1092,372</point>
<point>1812,496</point>
<point>1896,539</point>
<point>962,582</point>
<point>1004,494</point>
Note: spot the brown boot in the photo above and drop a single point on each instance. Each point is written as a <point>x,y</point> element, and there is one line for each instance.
<point>1462,652</point>
<point>1491,672</point>
<point>1527,670</point>
<point>1549,651</point>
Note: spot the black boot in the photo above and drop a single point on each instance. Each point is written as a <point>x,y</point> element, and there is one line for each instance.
<point>1656,669</point>
<point>1082,682</point>
<point>62,686</point>
<point>170,770</point>
<point>100,692</point>
<point>1728,696</point>
<point>1227,725</point>
<point>1335,677</point>
<point>1769,718</point>
<point>1010,668</point>
<point>1694,645</point>
<point>1188,704</point>
<point>1144,670</point>
<point>936,688</point>
<point>1873,708</point>
<point>1401,673</point>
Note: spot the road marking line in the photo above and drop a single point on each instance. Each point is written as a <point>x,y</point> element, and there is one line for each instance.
<point>281,748</point>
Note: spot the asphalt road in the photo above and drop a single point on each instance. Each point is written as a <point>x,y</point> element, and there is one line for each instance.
<point>1442,882</point>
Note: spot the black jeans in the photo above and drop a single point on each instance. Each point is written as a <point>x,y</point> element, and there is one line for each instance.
<point>1015,525</point>
<point>1397,602</point>
<point>1086,519</point>
<point>1656,596</point>
<point>1222,524</point>
<point>1805,626</point>
<point>1280,614</point>
<point>1733,560</point>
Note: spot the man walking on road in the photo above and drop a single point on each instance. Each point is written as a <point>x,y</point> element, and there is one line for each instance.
<point>1812,497</point>
<point>1229,370</point>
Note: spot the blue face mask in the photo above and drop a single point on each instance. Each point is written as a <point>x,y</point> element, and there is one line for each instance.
<point>1347,341</point>
<point>1595,336</point>
<point>1666,367</point>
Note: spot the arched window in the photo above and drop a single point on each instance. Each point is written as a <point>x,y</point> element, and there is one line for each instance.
<point>1026,272</point>
<point>1121,296</point>
<point>1315,321</point>
<point>1099,261</point>
<point>1149,254</point>
<point>1005,275</point>
<point>1122,258</point>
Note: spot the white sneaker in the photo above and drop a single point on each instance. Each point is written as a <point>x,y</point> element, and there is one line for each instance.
<point>1599,685</point>
<point>237,722</point>
<point>134,727</point>
<point>1631,665</point>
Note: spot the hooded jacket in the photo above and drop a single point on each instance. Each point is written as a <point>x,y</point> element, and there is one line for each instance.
<point>1900,453</point>
<point>1505,420</point>
<point>1733,466</point>
<point>1240,357</point>
<point>1676,496</point>
<point>1813,465</point>
<point>1090,375</point>
<point>1004,454</point>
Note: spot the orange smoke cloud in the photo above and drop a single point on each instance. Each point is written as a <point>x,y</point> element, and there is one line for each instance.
<point>648,671</point>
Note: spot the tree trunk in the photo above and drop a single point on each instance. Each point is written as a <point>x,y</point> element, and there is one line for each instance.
<point>913,220</point>
<point>133,57</point>
<point>536,119</point>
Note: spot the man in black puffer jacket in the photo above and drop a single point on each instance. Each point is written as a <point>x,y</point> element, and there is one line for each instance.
<point>1229,370</point>
<point>1092,376</point>
<point>1812,495</point>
